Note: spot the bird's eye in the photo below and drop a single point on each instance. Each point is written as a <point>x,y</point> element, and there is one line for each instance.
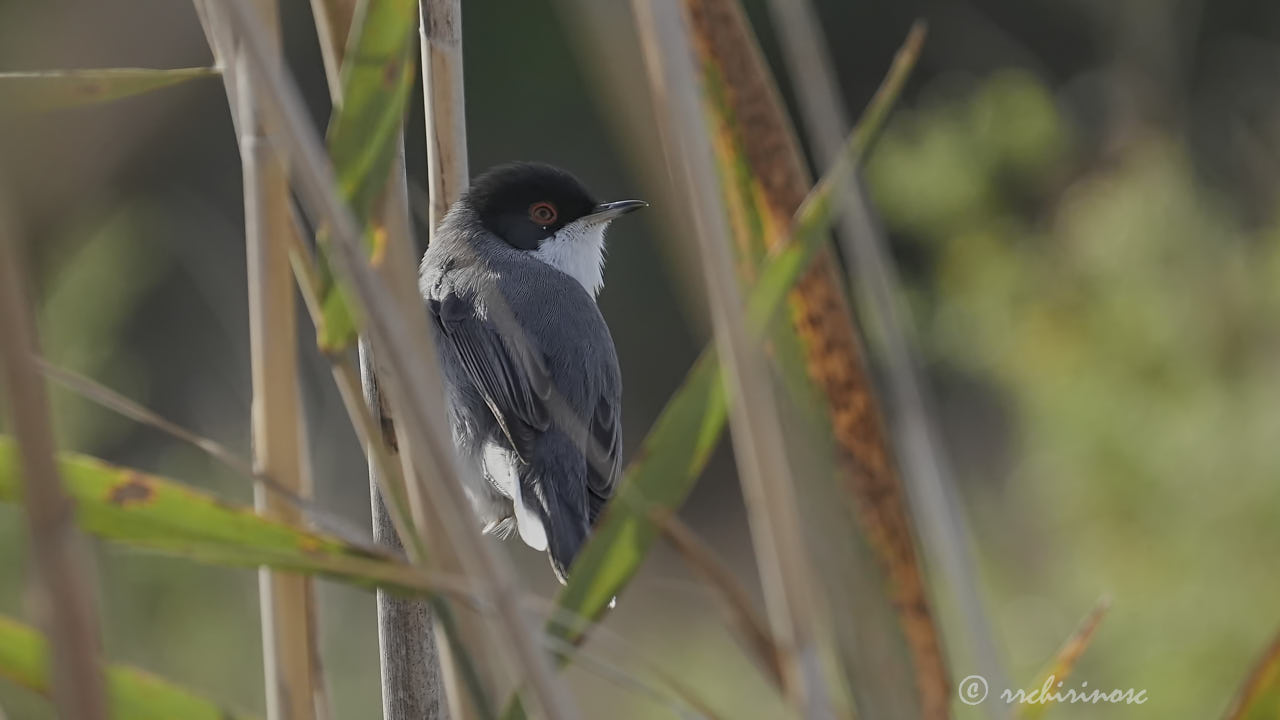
<point>543,213</point>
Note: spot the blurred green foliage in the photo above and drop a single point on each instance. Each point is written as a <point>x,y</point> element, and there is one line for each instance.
<point>1132,324</point>
<point>116,259</point>
<point>131,693</point>
<point>1098,290</point>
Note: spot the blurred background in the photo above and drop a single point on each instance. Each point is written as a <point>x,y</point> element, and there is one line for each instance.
<point>1081,196</point>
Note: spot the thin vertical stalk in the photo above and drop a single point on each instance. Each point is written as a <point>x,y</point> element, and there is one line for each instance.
<point>333,27</point>
<point>422,676</point>
<point>218,37</point>
<point>409,654</point>
<point>410,657</point>
<point>928,477</point>
<point>62,592</point>
<point>288,600</point>
<point>440,30</point>
<point>891,636</point>
<point>417,680</point>
<point>767,484</point>
<point>409,369</point>
<point>447,177</point>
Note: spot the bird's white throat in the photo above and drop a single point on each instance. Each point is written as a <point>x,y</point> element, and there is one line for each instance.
<point>577,250</point>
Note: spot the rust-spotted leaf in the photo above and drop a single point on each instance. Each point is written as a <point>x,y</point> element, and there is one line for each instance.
<point>132,489</point>
<point>158,514</point>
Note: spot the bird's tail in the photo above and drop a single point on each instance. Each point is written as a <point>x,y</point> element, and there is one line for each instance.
<point>567,532</point>
<point>564,516</point>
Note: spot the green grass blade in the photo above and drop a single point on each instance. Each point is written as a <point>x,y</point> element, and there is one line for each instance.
<point>132,693</point>
<point>363,138</point>
<point>1063,662</point>
<point>1259,697</point>
<point>153,513</point>
<point>376,79</point>
<point>57,89</point>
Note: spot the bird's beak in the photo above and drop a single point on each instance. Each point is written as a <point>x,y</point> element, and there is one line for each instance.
<point>604,212</point>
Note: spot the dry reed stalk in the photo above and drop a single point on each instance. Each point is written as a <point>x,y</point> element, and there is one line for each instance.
<point>929,479</point>
<point>410,370</point>
<point>408,649</point>
<point>347,378</point>
<point>214,23</point>
<point>417,681</point>
<point>767,483</point>
<point>61,589</point>
<point>333,26</point>
<point>290,647</point>
<point>440,31</point>
<point>442,90</point>
<point>832,351</point>
<point>417,667</point>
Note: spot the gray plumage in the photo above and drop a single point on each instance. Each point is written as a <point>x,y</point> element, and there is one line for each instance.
<point>532,379</point>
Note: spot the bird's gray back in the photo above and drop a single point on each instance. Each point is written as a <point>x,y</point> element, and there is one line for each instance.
<point>553,313</point>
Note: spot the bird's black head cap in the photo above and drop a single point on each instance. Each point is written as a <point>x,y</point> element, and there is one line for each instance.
<point>524,203</point>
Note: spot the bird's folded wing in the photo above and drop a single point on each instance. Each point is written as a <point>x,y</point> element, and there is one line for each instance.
<point>604,456</point>
<point>512,376</point>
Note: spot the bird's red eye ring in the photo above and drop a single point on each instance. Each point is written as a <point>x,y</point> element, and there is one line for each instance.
<point>543,213</point>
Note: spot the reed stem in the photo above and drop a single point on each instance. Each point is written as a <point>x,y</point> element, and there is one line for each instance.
<point>63,596</point>
<point>410,370</point>
<point>767,484</point>
<point>290,649</point>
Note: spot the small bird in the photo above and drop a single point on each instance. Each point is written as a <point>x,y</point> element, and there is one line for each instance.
<point>531,375</point>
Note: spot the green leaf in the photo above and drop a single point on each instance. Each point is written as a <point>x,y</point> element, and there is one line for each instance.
<point>377,76</point>
<point>1259,697</point>
<point>133,694</point>
<point>364,135</point>
<point>56,89</point>
<point>1063,662</point>
<point>151,512</point>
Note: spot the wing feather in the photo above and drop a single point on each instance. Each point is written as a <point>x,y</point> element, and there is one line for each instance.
<point>514,382</point>
<point>604,456</point>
